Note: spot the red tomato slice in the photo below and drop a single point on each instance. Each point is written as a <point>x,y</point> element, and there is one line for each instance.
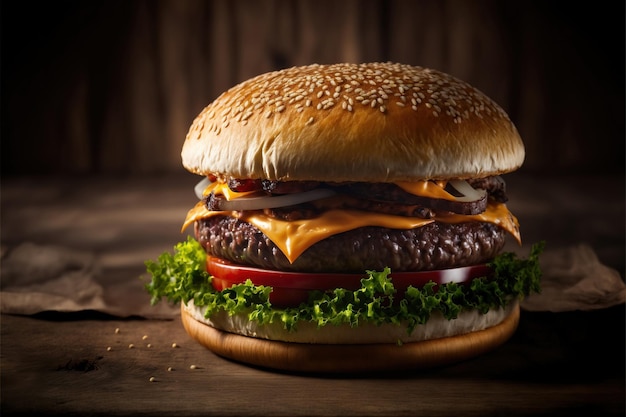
<point>292,288</point>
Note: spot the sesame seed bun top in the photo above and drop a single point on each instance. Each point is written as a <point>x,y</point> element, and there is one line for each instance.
<point>376,122</point>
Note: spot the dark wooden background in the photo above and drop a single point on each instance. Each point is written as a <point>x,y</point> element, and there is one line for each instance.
<point>97,96</point>
<point>108,86</point>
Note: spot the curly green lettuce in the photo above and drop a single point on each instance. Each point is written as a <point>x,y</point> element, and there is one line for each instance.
<point>181,277</point>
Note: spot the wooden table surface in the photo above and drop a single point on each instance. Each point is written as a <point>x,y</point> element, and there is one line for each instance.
<point>556,364</point>
<point>76,363</point>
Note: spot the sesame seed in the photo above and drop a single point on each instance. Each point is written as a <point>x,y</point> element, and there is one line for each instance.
<point>152,379</point>
<point>310,121</point>
<point>343,84</point>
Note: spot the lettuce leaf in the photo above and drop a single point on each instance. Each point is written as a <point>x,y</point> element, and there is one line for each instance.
<point>181,276</point>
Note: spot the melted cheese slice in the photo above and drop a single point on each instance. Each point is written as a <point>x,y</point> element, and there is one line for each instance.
<point>294,237</point>
<point>428,189</point>
<point>220,188</point>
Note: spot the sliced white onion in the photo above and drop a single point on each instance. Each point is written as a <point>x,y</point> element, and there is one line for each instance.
<point>257,203</point>
<point>200,187</point>
<point>469,192</point>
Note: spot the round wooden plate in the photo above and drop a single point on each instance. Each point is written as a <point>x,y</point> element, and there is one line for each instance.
<point>352,358</point>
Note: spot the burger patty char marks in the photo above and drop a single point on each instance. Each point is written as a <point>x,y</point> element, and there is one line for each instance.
<point>430,247</point>
<point>391,193</point>
<point>313,209</point>
<point>494,185</point>
<point>377,197</point>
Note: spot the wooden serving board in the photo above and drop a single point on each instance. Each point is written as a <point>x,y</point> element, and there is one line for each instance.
<point>330,358</point>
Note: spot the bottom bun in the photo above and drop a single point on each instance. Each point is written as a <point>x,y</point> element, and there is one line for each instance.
<point>350,357</point>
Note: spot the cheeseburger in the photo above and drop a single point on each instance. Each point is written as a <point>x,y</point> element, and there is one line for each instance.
<point>351,218</point>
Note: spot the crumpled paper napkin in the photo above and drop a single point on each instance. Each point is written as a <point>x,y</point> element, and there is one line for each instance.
<point>573,278</point>
<point>37,278</point>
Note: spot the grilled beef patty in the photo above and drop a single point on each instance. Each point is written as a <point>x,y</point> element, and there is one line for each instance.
<point>434,246</point>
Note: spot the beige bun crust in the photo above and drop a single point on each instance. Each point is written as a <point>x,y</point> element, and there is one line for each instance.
<point>376,122</point>
<point>351,357</point>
